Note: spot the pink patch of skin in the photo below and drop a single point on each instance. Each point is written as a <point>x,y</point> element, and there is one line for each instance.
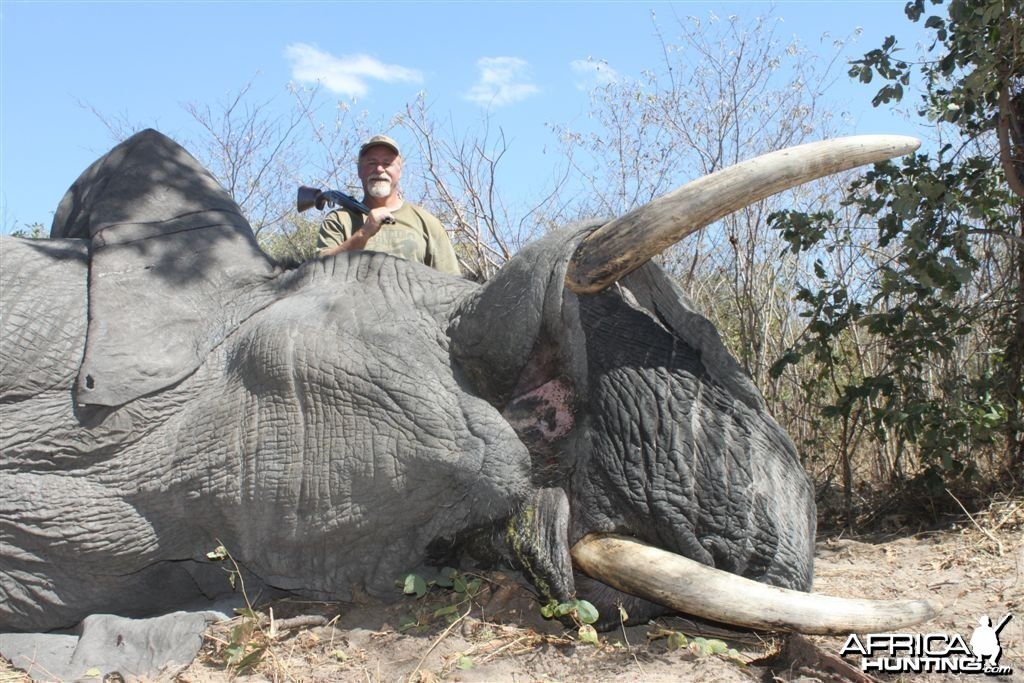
<point>550,399</point>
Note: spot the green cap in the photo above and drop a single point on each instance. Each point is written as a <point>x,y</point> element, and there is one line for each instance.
<point>379,140</point>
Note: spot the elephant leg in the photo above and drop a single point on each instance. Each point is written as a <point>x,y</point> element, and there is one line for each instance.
<point>70,548</point>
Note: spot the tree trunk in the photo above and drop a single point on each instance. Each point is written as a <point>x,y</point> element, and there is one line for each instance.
<point>1010,131</point>
<point>1015,363</point>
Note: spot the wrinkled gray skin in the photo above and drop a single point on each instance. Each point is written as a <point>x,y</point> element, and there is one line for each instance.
<point>165,388</point>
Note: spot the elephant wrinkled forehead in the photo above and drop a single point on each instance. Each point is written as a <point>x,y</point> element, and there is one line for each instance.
<point>388,283</point>
<point>371,324</point>
<point>360,318</point>
<point>353,357</point>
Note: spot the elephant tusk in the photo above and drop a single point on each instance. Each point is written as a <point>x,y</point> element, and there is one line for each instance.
<point>621,246</point>
<point>639,569</point>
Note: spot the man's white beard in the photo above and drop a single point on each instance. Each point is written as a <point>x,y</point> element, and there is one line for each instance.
<point>379,189</point>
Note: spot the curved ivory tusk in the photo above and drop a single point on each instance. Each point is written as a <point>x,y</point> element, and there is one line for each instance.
<point>626,243</point>
<point>662,577</point>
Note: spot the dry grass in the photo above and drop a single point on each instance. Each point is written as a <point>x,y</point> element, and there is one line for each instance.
<point>974,567</point>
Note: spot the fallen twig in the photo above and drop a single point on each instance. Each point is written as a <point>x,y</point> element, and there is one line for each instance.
<point>1007,516</point>
<point>302,620</point>
<point>973,521</point>
<point>799,654</point>
<point>501,649</point>
<point>444,634</point>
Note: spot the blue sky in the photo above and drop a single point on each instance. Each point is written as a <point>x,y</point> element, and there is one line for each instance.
<point>521,62</point>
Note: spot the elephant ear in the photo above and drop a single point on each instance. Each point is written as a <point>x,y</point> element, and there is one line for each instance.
<point>174,267</point>
<point>520,332</point>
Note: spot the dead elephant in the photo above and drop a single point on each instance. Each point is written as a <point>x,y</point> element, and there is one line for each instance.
<point>166,387</point>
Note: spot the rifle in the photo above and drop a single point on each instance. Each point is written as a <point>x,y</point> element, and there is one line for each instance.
<point>309,197</point>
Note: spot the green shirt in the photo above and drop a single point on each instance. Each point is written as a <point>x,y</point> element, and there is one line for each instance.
<point>415,235</point>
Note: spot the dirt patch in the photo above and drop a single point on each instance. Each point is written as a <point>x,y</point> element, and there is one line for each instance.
<point>975,568</point>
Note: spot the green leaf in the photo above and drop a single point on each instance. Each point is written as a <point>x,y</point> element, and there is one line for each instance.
<point>465,663</point>
<point>415,585</point>
<point>442,611</point>
<point>700,647</point>
<point>790,357</point>
<point>446,578</point>
<point>717,647</point>
<point>251,659</point>
<point>233,653</point>
<point>588,634</point>
<point>407,621</point>
<point>677,641</point>
<point>565,608</point>
<point>218,554</point>
<point>242,632</point>
<point>587,613</point>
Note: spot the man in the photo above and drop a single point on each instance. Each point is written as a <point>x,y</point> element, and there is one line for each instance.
<point>394,226</point>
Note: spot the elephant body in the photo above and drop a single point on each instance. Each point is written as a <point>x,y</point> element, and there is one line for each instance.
<point>166,388</point>
<point>309,482</point>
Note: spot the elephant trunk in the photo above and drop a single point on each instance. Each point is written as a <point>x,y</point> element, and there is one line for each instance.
<point>623,245</point>
<point>639,569</point>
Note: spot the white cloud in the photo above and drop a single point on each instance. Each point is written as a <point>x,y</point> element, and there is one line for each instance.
<point>593,73</point>
<point>344,75</point>
<point>502,81</point>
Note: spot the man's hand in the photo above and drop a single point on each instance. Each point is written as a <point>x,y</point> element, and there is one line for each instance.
<point>377,217</point>
<point>371,225</point>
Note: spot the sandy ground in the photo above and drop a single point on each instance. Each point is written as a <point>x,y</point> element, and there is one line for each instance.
<point>974,568</point>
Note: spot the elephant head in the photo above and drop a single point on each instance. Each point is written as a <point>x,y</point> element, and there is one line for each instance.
<point>336,424</point>
<point>636,414</point>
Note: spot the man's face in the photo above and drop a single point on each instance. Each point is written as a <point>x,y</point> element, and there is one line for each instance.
<point>380,169</point>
